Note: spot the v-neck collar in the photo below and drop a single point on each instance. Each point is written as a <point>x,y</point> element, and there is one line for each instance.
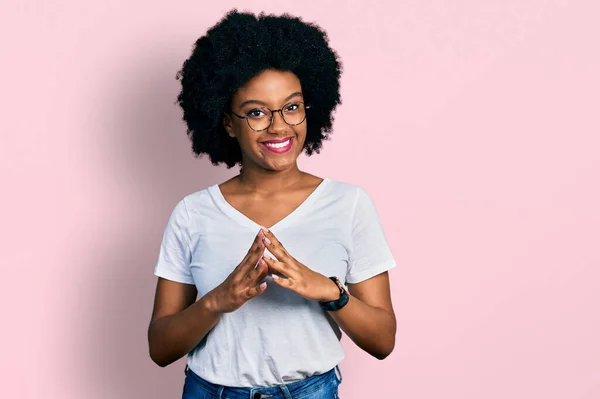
<point>233,213</point>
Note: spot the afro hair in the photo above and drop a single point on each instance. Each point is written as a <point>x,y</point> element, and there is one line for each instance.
<point>239,47</point>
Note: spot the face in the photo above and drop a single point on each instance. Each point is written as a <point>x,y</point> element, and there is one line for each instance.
<point>277,147</point>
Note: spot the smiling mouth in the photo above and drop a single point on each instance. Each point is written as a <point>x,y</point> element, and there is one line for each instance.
<point>278,146</point>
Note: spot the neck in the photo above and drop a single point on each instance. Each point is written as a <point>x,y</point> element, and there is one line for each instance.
<point>268,181</point>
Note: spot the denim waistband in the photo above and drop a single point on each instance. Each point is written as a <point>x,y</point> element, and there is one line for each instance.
<point>284,391</point>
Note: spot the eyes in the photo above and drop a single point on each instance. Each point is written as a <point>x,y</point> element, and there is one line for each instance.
<point>256,113</point>
<point>264,112</point>
<point>292,107</point>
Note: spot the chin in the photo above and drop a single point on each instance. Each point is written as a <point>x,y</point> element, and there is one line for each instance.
<point>277,161</point>
<point>280,164</point>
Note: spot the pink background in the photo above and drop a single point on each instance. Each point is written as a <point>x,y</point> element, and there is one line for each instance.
<point>474,125</point>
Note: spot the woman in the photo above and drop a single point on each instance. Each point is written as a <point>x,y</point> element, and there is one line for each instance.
<point>271,251</point>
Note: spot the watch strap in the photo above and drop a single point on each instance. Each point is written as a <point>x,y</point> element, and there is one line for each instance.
<point>338,303</point>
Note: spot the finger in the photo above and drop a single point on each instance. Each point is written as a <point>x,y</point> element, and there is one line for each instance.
<point>275,247</point>
<point>263,269</point>
<point>255,291</point>
<point>258,273</point>
<point>254,253</point>
<point>284,282</point>
<point>277,266</point>
<point>256,244</point>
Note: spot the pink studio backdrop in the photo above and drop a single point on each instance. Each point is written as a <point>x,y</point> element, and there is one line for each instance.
<point>473,125</point>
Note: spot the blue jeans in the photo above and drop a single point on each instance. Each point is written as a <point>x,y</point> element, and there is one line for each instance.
<point>323,386</point>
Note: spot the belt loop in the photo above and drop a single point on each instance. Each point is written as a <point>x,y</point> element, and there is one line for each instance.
<point>286,391</point>
<point>338,373</point>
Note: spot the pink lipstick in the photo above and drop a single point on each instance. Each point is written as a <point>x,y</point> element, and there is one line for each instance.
<point>278,146</point>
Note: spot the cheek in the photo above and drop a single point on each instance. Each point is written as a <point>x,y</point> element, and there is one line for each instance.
<point>244,136</point>
<point>301,134</point>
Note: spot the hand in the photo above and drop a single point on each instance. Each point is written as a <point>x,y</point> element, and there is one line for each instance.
<point>242,284</point>
<point>298,278</point>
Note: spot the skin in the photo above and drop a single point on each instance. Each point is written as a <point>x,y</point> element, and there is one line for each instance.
<point>269,187</point>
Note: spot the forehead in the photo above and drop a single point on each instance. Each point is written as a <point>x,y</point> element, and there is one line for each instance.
<point>270,87</point>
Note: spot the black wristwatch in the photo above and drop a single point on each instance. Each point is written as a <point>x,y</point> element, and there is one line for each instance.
<point>338,303</point>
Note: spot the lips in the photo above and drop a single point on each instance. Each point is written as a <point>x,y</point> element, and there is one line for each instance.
<point>277,141</point>
<point>278,146</point>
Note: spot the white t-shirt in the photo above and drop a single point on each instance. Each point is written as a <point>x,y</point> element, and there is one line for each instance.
<point>279,336</point>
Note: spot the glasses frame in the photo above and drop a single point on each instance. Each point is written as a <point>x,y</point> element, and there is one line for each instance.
<point>273,111</point>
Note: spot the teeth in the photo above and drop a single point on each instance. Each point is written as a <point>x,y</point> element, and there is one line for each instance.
<point>278,145</point>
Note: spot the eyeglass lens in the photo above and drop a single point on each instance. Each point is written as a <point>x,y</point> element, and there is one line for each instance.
<point>261,118</point>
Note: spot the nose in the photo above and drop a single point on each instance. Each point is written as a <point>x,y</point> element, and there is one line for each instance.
<point>278,125</point>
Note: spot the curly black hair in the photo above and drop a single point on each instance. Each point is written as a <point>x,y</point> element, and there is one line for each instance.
<point>239,47</point>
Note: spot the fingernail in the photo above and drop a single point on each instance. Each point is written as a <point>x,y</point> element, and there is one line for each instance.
<point>260,232</point>
<point>266,256</point>
<point>260,244</point>
<point>263,285</point>
<point>275,277</point>
<point>267,240</point>
<point>263,228</point>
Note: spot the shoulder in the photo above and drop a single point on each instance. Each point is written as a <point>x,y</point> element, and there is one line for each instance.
<point>195,201</point>
<point>342,189</point>
<point>199,197</point>
<point>355,199</point>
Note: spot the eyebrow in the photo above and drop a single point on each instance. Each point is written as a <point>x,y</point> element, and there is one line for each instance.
<point>261,103</point>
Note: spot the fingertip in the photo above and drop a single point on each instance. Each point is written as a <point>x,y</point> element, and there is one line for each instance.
<point>278,280</point>
<point>263,285</point>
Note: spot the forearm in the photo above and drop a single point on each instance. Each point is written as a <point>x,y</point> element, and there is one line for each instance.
<point>372,329</point>
<point>172,337</point>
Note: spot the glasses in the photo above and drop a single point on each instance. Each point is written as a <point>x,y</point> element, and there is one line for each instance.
<point>260,119</point>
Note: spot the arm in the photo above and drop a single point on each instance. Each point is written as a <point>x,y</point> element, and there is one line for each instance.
<point>368,317</point>
<point>179,322</point>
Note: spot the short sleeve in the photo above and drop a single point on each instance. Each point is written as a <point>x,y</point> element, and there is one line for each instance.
<point>175,255</point>
<point>370,254</point>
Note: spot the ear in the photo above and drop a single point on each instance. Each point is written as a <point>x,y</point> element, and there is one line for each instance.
<point>227,124</point>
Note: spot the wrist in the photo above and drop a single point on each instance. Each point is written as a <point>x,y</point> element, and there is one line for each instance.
<point>332,293</point>
<point>210,303</point>
<point>342,297</point>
